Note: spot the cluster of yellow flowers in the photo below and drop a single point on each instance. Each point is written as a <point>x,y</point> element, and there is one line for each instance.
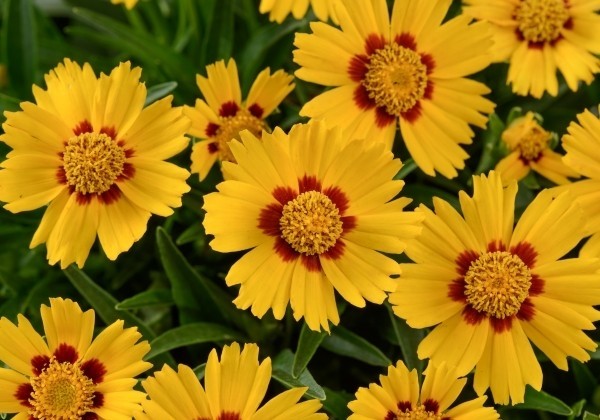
<point>317,210</point>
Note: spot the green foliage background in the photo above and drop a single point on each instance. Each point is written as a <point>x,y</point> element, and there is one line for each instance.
<point>170,284</point>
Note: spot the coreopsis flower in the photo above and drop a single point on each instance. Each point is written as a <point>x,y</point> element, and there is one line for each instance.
<point>408,69</point>
<point>129,4</point>
<point>581,144</point>
<point>529,150</point>
<point>315,210</point>
<point>539,37</point>
<point>223,115</point>
<point>398,396</point>
<point>90,150</point>
<point>67,375</point>
<point>492,290</point>
<point>234,388</point>
<point>280,9</point>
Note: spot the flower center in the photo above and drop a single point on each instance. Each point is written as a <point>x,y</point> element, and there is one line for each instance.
<point>311,223</point>
<point>541,20</point>
<point>533,141</point>
<point>419,413</point>
<point>497,283</point>
<point>396,78</point>
<point>61,392</point>
<point>230,128</point>
<point>92,162</point>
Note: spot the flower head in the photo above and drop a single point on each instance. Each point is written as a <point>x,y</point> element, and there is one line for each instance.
<point>398,396</point>
<point>280,9</point>
<point>234,388</point>
<point>539,37</point>
<point>529,149</point>
<point>315,210</point>
<point>492,289</point>
<point>90,150</point>
<point>223,115</point>
<point>409,68</point>
<point>68,375</point>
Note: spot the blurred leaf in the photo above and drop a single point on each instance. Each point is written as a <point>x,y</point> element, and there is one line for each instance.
<point>192,233</point>
<point>346,343</point>
<point>199,371</point>
<point>196,333</point>
<point>218,40</point>
<point>336,403</point>
<point>102,302</point>
<point>308,343</point>
<point>147,298</point>
<point>540,400</point>
<point>159,91</point>
<point>585,379</point>
<point>577,408</point>
<point>589,416</point>
<point>408,339</point>
<point>282,373</point>
<point>408,166</point>
<point>491,140</point>
<point>19,45</point>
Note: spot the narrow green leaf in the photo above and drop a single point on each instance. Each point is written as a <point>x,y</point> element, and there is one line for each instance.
<point>159,91</point>
<point>103,302</point>
<point>196,333</point>
<point>491,139</point>
<point>589,416</point>
<point>577,409</point>
<point>308,343</point>
<point>540,400</point>
<point>154,297</point>
<point>282,373</point>
<point>346,343</point>
<point>199,371</point>
<point>19,44</point>
<point>336,403</point>
<point>584,378</point>
<point>193,233</point>
<point>408,166</point>
<point>408,339</point>
<point>218,41</point>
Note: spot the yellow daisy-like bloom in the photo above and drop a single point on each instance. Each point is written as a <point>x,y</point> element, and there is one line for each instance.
<point>397,397</point>
<point>280,9</point>
<point>67,375</point>
<point>234,388</point>
<point>315,209</point>
<point>130,4</point>
<point>492,289</point>
<point>90,149</point>
<point>410,68</point>
<point>539,37</point>
<point>582,145</point>
<point>530,150</point>
<point>223,115</point>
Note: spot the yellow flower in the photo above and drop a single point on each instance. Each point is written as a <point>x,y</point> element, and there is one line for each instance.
<point>399,397</point>
<point>280,9</point>
<point>529,149</point>
<point>409,69</point>
<point>223,115</point>
<point>581,145</point>
<point>89,150</point>
<point>314,209</point>
<point>130,4</point>
<point>539,37</point>
<point>67,375</point>
<point>234,388</point>
<point>492,289</point>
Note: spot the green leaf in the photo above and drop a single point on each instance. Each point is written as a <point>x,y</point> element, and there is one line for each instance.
<point>336,403</point>
<point>408,339</point>
<point>154,297</point>
<point>193,233</point>
<point>218,41</point>
<point>196,333</point>
<point>159,91</point>
<point>282,373</point>
<point>308,343</point>
<point>199,371</point>
<point>540,400</point>
<point>585,379</point>
<point>346,343</point>
<point>589,416</point>
<point>19,45</point>
<point>490,153</point>
<point>577,408</point>
<point>408,166</point>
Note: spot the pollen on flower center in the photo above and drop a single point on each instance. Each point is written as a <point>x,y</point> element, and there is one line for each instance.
<point>497,283</point>
<point>230,128</point>
<point>533,143</point>
<point>396,78</point>
<point>311,223</point>
<point>541,20</point>
<point>93,162</point>
<point>61,391</point>
<point>419,413</point>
